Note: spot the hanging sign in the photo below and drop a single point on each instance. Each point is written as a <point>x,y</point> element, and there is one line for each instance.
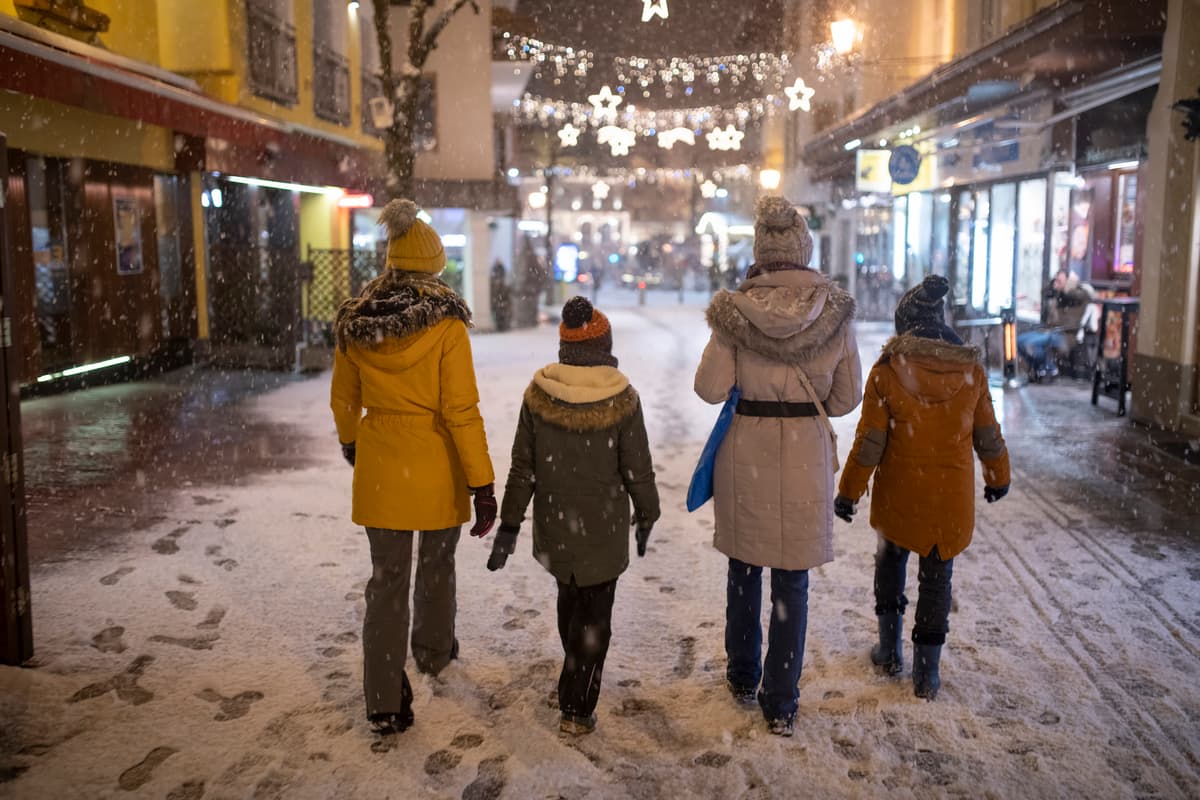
<point>871,171</point>
<point>904,164</point>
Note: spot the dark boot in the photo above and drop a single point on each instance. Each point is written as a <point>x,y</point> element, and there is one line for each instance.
<point>926,680</point>
<point>392,722</point>
<point>887,654</point>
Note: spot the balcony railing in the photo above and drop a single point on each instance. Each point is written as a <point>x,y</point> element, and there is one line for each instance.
<point>331,85</point>
<point>271,49</point>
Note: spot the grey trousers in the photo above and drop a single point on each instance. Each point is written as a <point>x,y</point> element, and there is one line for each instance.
<point>385,627</point>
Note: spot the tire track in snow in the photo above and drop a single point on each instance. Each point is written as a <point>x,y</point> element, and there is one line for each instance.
<point>1167,615</point>
<point>1126,705</point>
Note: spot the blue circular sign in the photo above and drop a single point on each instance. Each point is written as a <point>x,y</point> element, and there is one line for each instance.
<point>904,164</point>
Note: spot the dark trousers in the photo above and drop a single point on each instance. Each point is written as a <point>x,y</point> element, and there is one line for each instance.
<point>585,627</point>
<point>779,696</point>
<point>933,600</point>
<point>385,626</point>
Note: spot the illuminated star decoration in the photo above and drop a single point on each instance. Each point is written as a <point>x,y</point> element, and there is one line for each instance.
<point>708,190</point>
<point>652,7</point>
<point>569,135</point>
<point>728,139</point>
<point>668,139</point>
<point>618,139</point>
<point>600,190</point>
<point>605,104</point>
<point>799,96</point>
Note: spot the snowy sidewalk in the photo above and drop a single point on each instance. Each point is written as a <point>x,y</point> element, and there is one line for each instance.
<point>216,654</point>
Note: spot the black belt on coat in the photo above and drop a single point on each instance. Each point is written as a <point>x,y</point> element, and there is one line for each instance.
<point>776,408</point>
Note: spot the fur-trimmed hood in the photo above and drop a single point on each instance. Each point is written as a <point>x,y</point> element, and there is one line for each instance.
<point>395,305</point>
<point>930,368</point>
<point>581,399</point>
<point>792,316</point>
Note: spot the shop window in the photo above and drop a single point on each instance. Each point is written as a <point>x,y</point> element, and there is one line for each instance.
<point>939,253</point>
<point>1003,230</point>
<point>168,225</point>
<point>1126,223</point>
<point>46,187</point>
<point>899,240</point>
<point>1031,249</point>
<point>1079,249</point>
<point>331,70</point>
<point>920,236</point>
<point>962,246</point>
<point>979,249</point>
<point>1060,232</point>
<point>271,50</point>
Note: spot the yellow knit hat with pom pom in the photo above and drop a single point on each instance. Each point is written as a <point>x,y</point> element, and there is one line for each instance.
<point>413,246</point>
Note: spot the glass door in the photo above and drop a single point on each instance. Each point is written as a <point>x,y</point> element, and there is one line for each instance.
<point>1003,229</point>
<point>961,267</point>
<point>1031,249</point>
<point>979,249</point>
<point>46,182</point>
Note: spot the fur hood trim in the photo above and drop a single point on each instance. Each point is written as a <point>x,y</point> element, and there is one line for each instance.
<point>732,327</point>
<point>920,347</point>
<point>585,417</point>
<point>395,305</point>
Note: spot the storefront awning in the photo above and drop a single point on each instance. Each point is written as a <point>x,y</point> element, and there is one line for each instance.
<point>45,65</point>
<point>1063,45</point>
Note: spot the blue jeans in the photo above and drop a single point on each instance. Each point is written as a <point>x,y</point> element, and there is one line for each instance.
<point>1040,349</point>
<point>780,694</point>
<point>932,621</point>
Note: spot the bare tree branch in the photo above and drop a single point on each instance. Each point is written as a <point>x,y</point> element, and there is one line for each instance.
<point>383,36</point>
<point>443,19</point>
<point>418,51</point>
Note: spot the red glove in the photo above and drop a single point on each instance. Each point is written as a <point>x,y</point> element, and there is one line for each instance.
<point>485,510</point>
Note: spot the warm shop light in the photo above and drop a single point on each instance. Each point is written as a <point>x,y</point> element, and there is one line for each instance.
<point>287,187</point>
<point>352,6</point>
<point>531,226</point>
<point>853,144</point>
<point>770,179</point>
<point>66,373</point>
<point>844,33</point>
<point>537,200</point>
<point>454,240</point>
<point>1124,165</point>
<point>356,201</point>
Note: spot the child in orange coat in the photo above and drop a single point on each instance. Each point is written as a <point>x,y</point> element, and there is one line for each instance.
<point>926,406</point>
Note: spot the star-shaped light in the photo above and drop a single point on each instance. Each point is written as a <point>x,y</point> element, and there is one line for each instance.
<point>708,190</point>
<point>569,135</point>
<point>618,139</point>
<point>799,96</point>
<point>651,8</point>
<point>605,104</point>
<point>728,139</point>
<point>668,139</point>
<point>600,190</point>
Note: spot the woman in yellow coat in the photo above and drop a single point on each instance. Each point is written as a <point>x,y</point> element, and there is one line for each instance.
<point>419,454</point>
<point>927,406</point>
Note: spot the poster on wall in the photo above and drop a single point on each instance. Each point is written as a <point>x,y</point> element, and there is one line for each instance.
<point>129,236</point>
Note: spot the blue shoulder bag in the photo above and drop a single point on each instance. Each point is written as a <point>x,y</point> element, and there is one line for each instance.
<point>700,490</point>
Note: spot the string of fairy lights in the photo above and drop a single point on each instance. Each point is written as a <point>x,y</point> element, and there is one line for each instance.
<point>621,124</point>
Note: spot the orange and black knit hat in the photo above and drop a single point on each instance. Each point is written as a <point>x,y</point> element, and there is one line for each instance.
<point>584,337</point>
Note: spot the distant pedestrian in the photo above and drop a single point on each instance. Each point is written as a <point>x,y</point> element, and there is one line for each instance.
<point>419,455</point>
<point>501,297</point>
<point>580,454</point>
<point>927,405</point>
<point>786,339</point>
<point>1068,318</point>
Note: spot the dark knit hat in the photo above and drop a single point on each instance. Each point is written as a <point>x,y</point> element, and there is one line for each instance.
<point>922,311</point>
<point>585,337</point>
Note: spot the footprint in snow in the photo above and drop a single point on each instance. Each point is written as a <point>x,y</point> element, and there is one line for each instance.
<point>188,790</point>
<point>111,578</point>
<point>109,640</point>
<point>664,589</point>
<point>686,663</point>
<point>212,620</point>
<point>231,708</point>
<point>184,601</point>
<point>169,544</point>
<point>139,774</point>
<point>124,683</point>
<point>441,761</point>
<point>490,780</point>
<point>191,643</point>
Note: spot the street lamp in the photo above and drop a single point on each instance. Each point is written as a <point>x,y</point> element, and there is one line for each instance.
<point>845,35</point>
<point>770,179</point>
<point>537,200</point>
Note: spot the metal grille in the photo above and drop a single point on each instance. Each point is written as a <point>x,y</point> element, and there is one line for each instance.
<point>334,276</point>
<point>254,294</point>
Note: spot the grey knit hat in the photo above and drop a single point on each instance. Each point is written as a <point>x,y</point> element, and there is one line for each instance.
<point>780,234</point>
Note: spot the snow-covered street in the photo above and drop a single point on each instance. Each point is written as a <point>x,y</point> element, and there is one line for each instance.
<point>216,654</point>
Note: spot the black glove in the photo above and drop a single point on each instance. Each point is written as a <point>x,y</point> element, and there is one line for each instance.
<point>994,493</point>
<point>844,508</point>
<point>503,546</point>
<point>348,452</point>
<point>643,536</point>
<point>485,510</point>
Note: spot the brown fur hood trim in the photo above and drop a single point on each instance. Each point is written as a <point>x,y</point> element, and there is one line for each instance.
<point>733,328</point>
<point>920,347</point>
<point>395,305</point>
<point>583,417</point>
